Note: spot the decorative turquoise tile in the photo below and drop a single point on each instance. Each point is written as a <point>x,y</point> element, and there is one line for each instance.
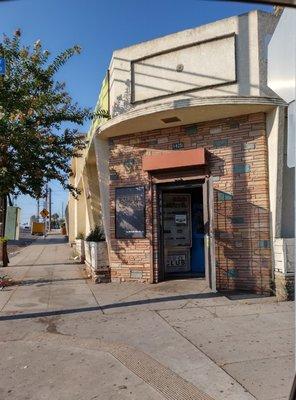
<point>177,146</point>
<point>216,129</point>
<point>136,274</point>
<point>113,175</point>
<point>225,235</point>
<point>220,143</point>
<point>241,168</point>
<point>191,129</point>
<point>234,125</point>
<point>264,244</point>
<point>223,196</point>
<point>232,273</point>
<point>129,164</point>
<point>249,146</point>
<point>237,220</point>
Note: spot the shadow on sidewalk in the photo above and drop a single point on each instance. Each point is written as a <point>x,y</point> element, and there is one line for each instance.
<point>45,265</point>
<point>48,240</point>
<point>37,282</point>
<point>157,300</point>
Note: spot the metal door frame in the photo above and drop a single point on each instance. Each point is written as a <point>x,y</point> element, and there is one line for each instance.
<point>209,238</point>
<point>208,207</point>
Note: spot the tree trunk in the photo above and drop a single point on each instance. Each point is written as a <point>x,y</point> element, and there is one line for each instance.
<point>3,244</point>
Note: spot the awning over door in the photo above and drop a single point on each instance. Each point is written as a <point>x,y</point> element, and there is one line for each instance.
<point>175,159</point>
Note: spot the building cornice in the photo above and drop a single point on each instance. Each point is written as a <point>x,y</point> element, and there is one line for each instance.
<point>188,104</point>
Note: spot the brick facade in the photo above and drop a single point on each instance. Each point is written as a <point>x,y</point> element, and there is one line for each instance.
<point>238,163</point>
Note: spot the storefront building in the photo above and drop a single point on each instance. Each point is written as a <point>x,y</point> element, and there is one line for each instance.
<point>182,174</point>
<point>282,79</point>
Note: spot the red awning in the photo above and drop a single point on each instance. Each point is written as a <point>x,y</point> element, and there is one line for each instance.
<point>175,159</point>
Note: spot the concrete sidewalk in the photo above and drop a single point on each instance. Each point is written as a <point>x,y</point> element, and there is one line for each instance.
<point>63,337</point>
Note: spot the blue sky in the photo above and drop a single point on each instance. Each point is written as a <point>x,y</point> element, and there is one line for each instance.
<point>99,27</point>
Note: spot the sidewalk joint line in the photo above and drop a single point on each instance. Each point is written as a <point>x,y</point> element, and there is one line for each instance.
<point>93,295</point>
<point>206,355</point>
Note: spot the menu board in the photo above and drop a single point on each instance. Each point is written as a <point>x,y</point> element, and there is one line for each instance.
<point>130,212</point>
<point>176,219</point>
<point>177,236</point>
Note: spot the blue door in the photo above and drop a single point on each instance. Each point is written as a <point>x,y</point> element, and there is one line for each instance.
<point>197,250</point>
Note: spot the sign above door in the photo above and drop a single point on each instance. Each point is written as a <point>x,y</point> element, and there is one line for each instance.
<point>175,159</point>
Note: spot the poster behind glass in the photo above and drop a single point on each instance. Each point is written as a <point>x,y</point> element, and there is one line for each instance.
<point>130,212</point>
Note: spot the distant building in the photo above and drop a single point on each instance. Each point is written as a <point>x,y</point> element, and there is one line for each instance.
<point>12,223</point>
<point>182,176</point>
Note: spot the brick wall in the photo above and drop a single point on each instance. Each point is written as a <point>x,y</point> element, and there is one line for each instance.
<point>238,163</point>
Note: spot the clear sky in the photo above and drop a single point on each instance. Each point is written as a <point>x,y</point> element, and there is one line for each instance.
<point>99,27</point>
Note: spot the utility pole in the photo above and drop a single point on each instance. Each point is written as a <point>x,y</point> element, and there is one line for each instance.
<point>62,210</point>
<point>3,244</point>
<point>38,209</point>
<point>49,208</point>
<point>45,203</point>
<point>3,198</point>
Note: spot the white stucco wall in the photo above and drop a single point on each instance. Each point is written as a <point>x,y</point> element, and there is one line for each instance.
<point>89,218</point>
<point>203,64</point>
<point>102,160</point>
<point>284,255</point>
<point>183,69</point>
<point>275,125</point>
<point>71,219</point>
<point>282,79</point>
<point>81,219</point>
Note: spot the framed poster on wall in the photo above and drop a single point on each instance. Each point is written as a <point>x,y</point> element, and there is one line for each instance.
<point>130,212</point>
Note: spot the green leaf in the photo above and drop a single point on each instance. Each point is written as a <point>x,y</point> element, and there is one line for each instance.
<point>34,147</point>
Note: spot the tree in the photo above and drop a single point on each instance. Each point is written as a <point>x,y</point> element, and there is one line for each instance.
<point>55,221</point>
<point>34,148</point>
<point>33,218</point>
